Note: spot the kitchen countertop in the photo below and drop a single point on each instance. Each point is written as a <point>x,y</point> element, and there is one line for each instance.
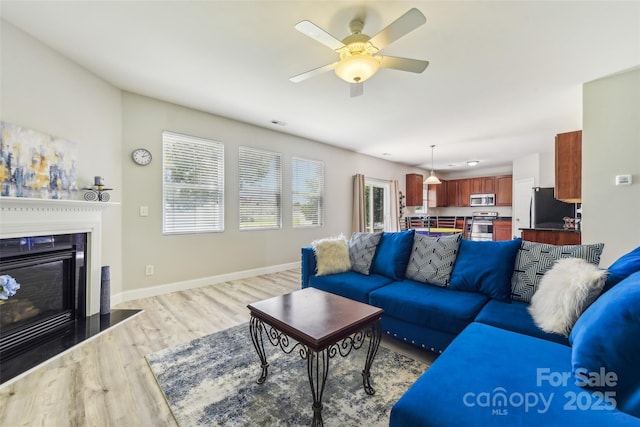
<point>439,230</point>
<point>570,230</point>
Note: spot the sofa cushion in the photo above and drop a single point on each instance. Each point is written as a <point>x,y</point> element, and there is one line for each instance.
<point>492,377</point>
<point>332,255</point>
<point>606,337</point>
<point>427,305</point>
<point>432,258</point>
<point>564,293</point>
<point>351,285</point>
<point>362,248</point>
<point>393,254</point>
<point>485,267</point>
<point>623,267</point>
<point>535,259</point>
<point>514,316</point>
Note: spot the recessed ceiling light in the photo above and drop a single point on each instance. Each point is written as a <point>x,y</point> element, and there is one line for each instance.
<point>278,122</point>
<point>473,162</point>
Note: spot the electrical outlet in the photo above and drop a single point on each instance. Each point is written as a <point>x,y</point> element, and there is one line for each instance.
<point>144,210</point>
<point>148,270</point>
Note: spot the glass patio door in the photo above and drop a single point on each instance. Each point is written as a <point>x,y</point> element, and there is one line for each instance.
<point>378,206</point>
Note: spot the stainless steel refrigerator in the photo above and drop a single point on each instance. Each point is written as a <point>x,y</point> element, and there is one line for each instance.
<point>547,211</point>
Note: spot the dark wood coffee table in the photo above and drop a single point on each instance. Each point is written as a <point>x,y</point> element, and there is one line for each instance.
<point>323,326</point>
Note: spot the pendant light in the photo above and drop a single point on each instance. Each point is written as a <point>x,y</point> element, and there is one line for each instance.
<point>432,179</point>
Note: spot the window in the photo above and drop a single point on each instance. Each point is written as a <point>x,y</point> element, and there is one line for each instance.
<point>377,205</point>
<point>193,184</point>
<point>307,192</point>
<point>260,175</point>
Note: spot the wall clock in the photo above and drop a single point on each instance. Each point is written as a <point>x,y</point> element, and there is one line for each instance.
<point>141,156</point>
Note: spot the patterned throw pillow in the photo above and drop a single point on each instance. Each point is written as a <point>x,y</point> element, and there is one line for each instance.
<point>362,248</point>
<point>432,259</point>
<point>535,259</point>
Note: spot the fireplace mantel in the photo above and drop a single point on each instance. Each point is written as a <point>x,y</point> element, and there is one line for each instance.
<point>24,217</point>
<point>33,203</point>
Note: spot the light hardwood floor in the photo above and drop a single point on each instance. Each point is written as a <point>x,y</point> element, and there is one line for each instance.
<point>107,382</point>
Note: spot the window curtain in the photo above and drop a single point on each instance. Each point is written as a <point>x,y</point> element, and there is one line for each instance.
<point>358,220</point>
<point>394,199</point>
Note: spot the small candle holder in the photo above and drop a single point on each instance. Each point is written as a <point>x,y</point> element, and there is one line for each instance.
<point>98,191</point>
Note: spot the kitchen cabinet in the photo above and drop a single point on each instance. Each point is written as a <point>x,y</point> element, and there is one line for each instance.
<point>504,190</point>
<point>502,229</point>
<point>476,186</point>
<point>568,169</point>
<point>415,189</point>
<point>484,185</point>
<point>552,237</point>
<point>459,191</point>
<point>452,193</point>
<point>437,195</point>
<point>464,192</point>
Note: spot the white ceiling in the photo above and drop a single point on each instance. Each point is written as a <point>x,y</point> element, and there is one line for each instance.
<point>503,79</point>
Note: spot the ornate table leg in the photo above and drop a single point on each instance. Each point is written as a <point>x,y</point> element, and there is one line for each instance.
<point>255,329</point>
<point>317,369</point>
<point>374,343</point>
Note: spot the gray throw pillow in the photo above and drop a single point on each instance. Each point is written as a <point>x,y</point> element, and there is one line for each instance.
<point>535,259</point>
<point>362,248</point>
<point>432,258</point>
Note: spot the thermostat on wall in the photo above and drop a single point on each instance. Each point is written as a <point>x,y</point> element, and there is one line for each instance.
<point>623,179</point>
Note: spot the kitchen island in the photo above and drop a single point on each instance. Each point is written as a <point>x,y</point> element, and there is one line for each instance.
<point>552,236</point>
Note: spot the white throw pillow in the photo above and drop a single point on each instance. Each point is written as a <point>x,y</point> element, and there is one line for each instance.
<point>332,255</point>
<point>565,291</point>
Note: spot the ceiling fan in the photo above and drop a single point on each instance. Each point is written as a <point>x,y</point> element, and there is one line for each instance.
<point>360,54</point>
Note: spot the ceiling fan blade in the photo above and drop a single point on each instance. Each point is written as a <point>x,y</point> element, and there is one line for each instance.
<point>403,64</point>
<point>312,73</point>
<point>398,28</point>
<point>310,29</point>
<point>356,89</point>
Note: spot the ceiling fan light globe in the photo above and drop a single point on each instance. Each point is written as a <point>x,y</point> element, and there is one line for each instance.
<point>357,69</point>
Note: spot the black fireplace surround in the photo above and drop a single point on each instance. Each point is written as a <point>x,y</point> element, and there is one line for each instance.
<point>50,271</point>
<point>48,314</point>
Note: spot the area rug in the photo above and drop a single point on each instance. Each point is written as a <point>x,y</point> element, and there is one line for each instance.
<point>211,381</point>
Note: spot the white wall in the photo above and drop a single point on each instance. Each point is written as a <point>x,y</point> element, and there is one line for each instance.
<point>44,91</point>
<point>539,166</point>
<point>611,146</point>
<point>189,257</point>
<point>547,167</point>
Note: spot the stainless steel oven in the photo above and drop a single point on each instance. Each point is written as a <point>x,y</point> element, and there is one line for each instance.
<point>481,225</point>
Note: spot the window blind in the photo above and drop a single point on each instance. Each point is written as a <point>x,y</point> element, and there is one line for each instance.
<point>193,184</point>
<point>260,188</point>
<point>307,192</point>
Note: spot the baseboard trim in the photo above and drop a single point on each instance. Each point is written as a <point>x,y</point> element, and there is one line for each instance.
<point>153,291</point>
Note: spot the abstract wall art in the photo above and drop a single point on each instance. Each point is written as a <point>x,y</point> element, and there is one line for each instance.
<point>34,164</point>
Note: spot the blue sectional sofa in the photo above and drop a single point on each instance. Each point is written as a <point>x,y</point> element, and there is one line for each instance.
<point>497,366</point>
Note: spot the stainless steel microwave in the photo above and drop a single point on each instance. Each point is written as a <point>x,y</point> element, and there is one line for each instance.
<point>483,200</point>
